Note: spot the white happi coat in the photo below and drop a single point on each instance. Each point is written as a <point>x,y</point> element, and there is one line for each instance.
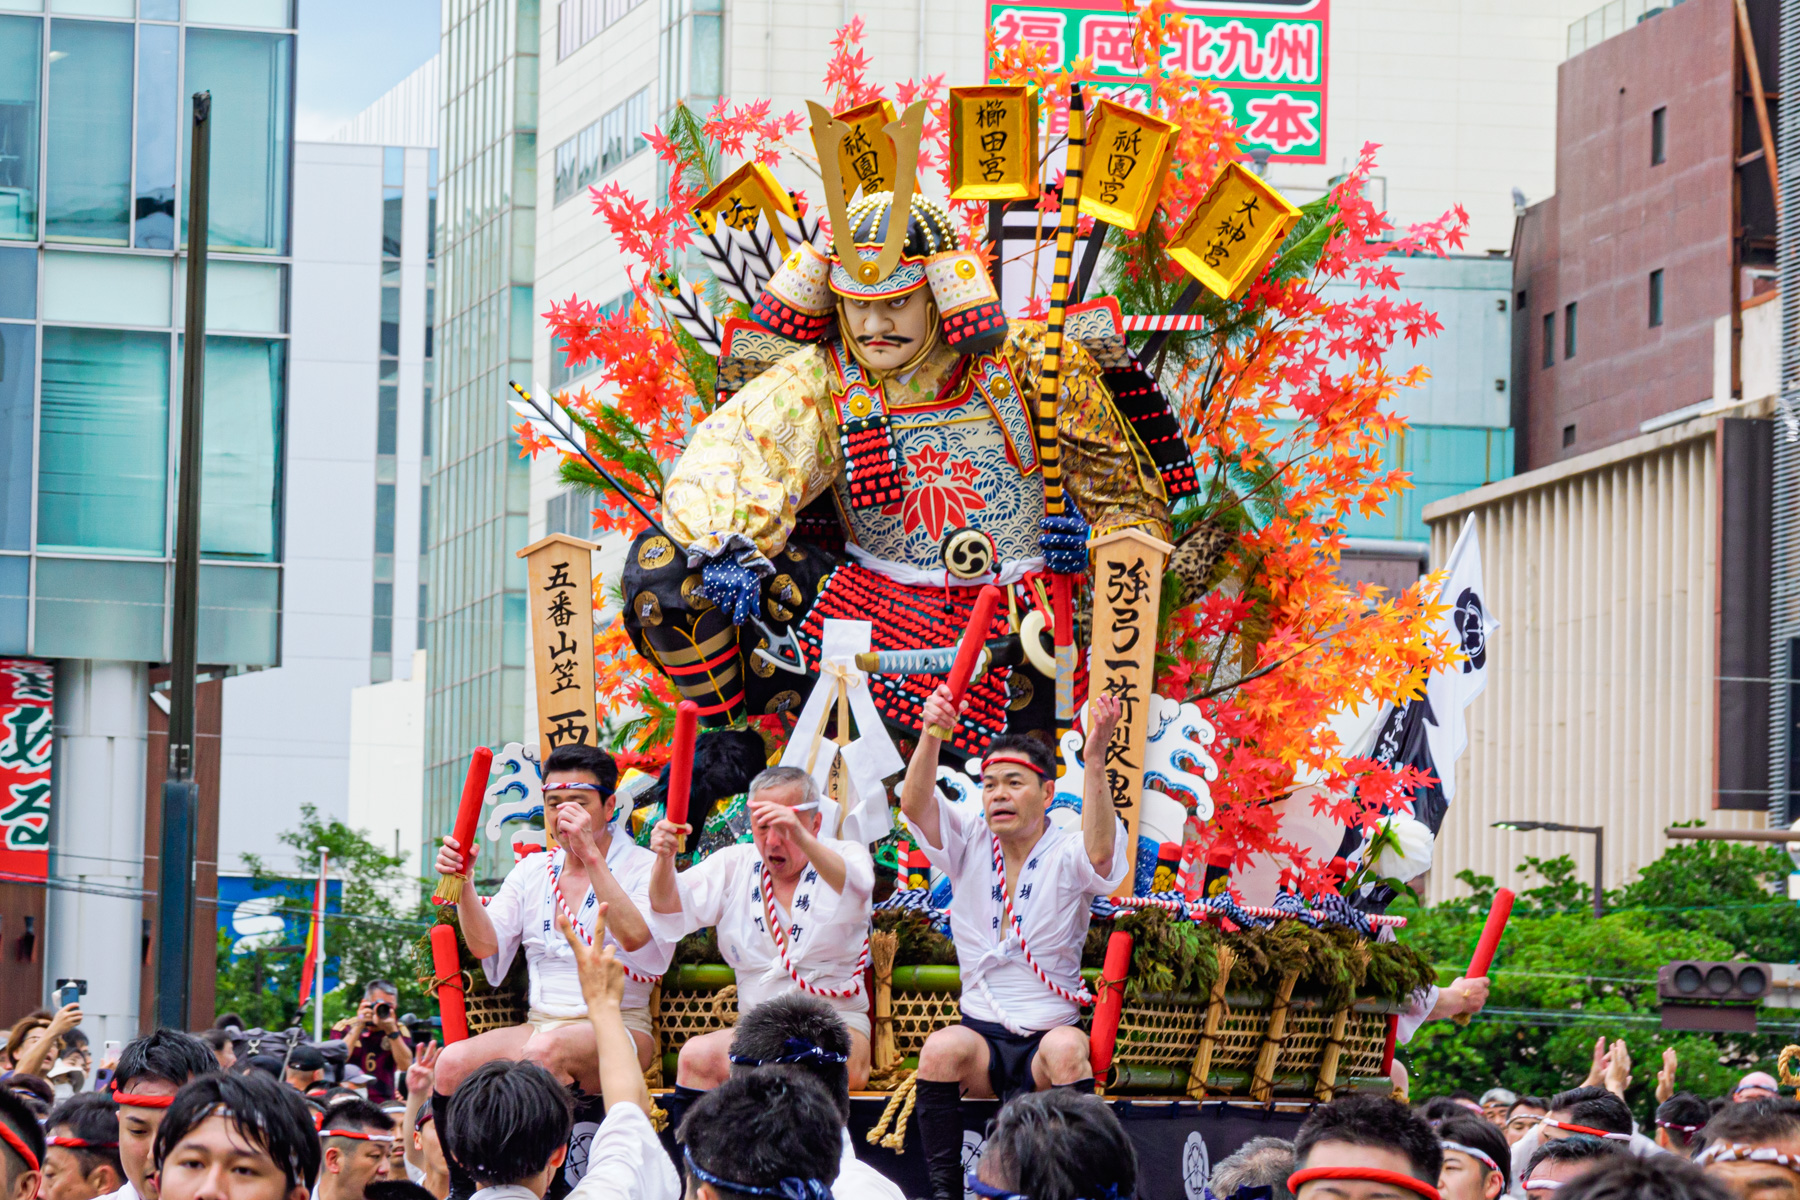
<point>524,913</point>
<point>826,931</point>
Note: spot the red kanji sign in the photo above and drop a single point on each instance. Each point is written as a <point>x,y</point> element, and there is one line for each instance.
<point>27,707</point>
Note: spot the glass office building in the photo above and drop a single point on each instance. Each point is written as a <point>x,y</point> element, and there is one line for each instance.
<point>480,488</point>
<point>94,121</point>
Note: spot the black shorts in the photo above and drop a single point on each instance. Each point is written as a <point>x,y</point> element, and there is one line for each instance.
<point>1009,1057</point>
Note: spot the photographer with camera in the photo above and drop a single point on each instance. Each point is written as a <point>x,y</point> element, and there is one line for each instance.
<point>374,1039</point>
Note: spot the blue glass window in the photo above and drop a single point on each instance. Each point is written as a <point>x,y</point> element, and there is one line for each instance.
<point>21,53</point>
<point>157,113</point>
<point>249,77</point>
<point>382,632</point>
<point>103,441</point>
<point>159,10</point>
<point>88,609</point>
<point>18,278</point>
<point>18,367</point>
<point>88,179</point>
<point>241,480</point>
<point>384,518</point>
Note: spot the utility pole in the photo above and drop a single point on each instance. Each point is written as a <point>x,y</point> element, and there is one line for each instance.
<point>180,794</point>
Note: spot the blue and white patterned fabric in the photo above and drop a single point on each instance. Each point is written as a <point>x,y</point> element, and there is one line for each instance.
<point>733,587</point>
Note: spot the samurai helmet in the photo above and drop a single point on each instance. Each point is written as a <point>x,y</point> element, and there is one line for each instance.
<point>884,245</point>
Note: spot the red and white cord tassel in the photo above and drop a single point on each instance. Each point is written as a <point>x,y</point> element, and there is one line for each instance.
<point>575,921</point>
<point>1083,997</point>
<point>781,947</point>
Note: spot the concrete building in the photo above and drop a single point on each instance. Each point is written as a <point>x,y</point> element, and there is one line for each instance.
<point>93,118</point>
<point>479,486</point>
<point>1630,280</point>
<point>361,377</point>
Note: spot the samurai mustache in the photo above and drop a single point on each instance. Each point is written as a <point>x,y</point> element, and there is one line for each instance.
<point>898,339</point>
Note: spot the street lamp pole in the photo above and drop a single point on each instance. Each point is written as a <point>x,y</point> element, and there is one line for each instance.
<point>1599,832</point>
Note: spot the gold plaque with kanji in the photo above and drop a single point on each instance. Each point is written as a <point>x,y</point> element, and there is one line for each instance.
<point>1233,232</point>
<point>866,157</point>
<point>742,195</point>
<point>1125,166</point>
<point>993,143</point>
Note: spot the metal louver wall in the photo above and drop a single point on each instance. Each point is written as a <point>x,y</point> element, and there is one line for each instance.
<point>1784,573</point>
<point>1600,702</point>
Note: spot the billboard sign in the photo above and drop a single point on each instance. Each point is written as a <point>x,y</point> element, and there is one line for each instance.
<point>1265,61</point>
<point>27,709</point>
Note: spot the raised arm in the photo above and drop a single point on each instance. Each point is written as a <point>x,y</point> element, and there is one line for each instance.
<point>603,988</point>
<point>574,829</point>
<point>782,818</point>
<point>918,791</point>
<point>477,928</point>
<point>1099,829</point>
<point>665,839</point>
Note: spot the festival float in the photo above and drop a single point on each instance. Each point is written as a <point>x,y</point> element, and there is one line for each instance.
<point>1152,390</point>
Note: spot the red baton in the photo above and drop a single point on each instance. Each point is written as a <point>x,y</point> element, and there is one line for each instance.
<point>1490,934</point>
<point>448,965</point>
<point>1112,1002</point>
<point>681,762</point>
<point>974,640</point>
<point>481,765</point>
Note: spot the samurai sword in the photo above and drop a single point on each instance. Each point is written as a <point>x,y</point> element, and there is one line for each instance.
<point>937,660</point>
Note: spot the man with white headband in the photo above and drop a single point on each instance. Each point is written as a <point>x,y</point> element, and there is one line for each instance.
<point>792,912</point>
<point>1753,1149</point>
<point>354,1137</point>
<point>1477,1161</point>
<point>591,867</point>
<point>1019,910</point>
<point>1554,1165</point>
<point>1583,1113</point>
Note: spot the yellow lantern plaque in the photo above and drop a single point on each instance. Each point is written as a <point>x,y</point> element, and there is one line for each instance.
<point>1233,232</point>
<point>1126,164</point>
<point>993,143</point>
<point>747,191</point>
<point>866,156</point>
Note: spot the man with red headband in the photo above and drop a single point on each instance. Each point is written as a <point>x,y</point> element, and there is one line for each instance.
<point>150,1071</point>
<point>1020,894</point>
<point>1366,1148</point>
<point>24,1153</point>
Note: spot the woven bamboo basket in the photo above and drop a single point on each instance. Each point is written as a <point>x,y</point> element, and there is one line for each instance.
<point>1228,1044</point>
<point>491,1008</point>
<point>694,999</point>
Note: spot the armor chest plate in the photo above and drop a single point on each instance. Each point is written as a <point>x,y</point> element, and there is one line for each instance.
<point>958,471</point>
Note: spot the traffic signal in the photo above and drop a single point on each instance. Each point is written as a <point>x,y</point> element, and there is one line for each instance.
<point>1718,997</point>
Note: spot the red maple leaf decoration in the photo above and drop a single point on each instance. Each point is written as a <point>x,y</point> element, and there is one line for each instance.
<point>942,495</point>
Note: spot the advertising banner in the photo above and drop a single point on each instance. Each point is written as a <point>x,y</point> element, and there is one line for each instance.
<point>27,707</point>
<point>1266,61</point>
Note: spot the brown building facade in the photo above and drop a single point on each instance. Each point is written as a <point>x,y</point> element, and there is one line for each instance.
<point>1628,282</point>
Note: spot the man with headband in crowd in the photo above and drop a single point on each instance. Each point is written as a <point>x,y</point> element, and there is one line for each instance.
<point>792,912</point>
<point>1019,910</point>
<point>1366,1148</point>
<point>1477,1160</point>
<point>150,1071</point>
<point>355,1137</point>
<point>591,867</point>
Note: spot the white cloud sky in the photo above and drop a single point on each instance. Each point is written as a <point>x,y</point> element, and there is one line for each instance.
<point>352,51</point>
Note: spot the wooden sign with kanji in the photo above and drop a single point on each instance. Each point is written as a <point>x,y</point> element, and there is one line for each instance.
<point>1128,571</point>
<point>560,595</point>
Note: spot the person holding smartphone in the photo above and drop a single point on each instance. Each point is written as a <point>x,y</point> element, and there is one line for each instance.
<point>374,1039</point>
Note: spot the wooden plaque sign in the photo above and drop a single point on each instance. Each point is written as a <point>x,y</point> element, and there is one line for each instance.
<point>561,599</point>
<point>741,196</point>
<point>866,157</point>
<point>1233,232</point>
<point>1125,166</point>
<point>993,143</point>
<point>1128,571</point>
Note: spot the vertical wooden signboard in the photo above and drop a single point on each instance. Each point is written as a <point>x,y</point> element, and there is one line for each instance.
<point>561,600</point>
<point>1128,571</point>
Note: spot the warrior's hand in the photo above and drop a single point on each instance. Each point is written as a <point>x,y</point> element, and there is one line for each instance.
<point>1064,542</point>
<point>732,587</point>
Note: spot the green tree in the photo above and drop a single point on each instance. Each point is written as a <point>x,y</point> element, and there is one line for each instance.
<point>1563,979</point>
<point>382,913</point>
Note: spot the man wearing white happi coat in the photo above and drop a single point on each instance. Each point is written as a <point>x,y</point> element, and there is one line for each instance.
<point>593,865</point>
<point>1021,889</point>
<point>791,909</point>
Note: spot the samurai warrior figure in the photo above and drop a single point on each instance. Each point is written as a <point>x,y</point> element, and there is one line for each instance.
<point>881,467</point>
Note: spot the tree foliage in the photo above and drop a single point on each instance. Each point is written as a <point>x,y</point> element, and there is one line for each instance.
<point>1563,979</point>
<point>382,911</point>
